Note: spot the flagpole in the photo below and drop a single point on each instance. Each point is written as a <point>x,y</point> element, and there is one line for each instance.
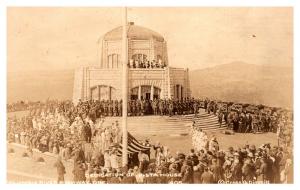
<point>124,89</point>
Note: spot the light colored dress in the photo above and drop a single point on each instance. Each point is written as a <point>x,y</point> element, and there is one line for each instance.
<point>107,163</point>
<point>114,161</point>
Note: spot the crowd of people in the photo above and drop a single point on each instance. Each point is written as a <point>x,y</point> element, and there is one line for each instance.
<point>113,108</point>
<point>250,118</point>
<point>249,164</point>
<point>21,106</point>
<point>146,64</point>
<point>80,133</point>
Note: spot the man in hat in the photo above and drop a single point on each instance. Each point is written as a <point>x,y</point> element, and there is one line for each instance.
<point>248,168</point>
<point>217,170</point>
<point>187,172</point>
<point>207,176</point>
<point>160,107</point>
<point>120,108</point>
<point>60,170</point>
<point>129,177</point>
<point>79,154</point>
<point>220,117</point>
<point>79,173</point>
<point>248,123</point>
<point>170,108</point>
<point>236,168</point>
<point>143,161</point>
<point>213,145</point>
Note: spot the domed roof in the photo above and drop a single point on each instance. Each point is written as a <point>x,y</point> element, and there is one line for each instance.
<point>133,32</point>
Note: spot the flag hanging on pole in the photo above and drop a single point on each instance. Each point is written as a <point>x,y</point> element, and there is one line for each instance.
<point>133,146</point>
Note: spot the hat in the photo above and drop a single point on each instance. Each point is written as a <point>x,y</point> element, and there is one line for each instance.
<point>172,160</point>
<point>250,155</point>
<point>236,154</point>
<point>181,156</point>
<point>252,147</point>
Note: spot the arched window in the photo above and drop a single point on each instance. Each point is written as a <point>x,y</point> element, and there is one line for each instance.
<point>113,61</point>
<point>102,92</point>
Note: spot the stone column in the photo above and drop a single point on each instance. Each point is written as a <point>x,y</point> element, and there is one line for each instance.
<point>98,90</point>
<point>109,92</point>
<point>161,95</point>
<point>140,92</point>
<point>169,83</point>
<point>175,92</point>
<point>151,92</point>
<point>179,92</point>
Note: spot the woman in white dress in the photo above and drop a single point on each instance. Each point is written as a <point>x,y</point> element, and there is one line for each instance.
<point>103,141</point>
<point>107,164</point>
<point>114,160</point>
<point>159,157</point>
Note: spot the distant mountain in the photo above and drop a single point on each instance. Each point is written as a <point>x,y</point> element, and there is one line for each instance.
<point>246,83</point>
<point>40,85</point>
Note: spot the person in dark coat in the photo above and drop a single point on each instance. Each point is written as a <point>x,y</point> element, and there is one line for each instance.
<point>61,171</point>
<point>248,123</point>
<point>79,173</point>
<point>207,176</point>
<point>170,108</point>
<point>220,118</point>
<point>128,178</point>
<point>87,132</point>
<point>197,175</point>
<point>120,108</point>
<point>236,170</point>
<point>187,172</point>
<point>248,170</point>
<point>115,178</point>
<point>216,170</point>
<point>79,155</point>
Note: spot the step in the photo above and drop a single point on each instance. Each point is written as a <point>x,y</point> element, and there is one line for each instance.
<point>205,120</point>
<point>209,126</point>
<point>207,123</point>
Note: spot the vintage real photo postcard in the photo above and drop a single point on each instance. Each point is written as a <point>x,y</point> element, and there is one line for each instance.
<point>150,95</point>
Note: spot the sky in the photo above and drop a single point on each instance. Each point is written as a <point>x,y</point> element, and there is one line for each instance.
<point>199,37</point>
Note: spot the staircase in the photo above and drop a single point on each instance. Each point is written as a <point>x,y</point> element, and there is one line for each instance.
<point>165,125</point>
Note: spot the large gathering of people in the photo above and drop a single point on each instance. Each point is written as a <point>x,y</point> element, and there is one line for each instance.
<point>80,133</point>
<point>250,118</point>
<point>21,106</point>
<point>146,64</point>
<point>113,108</point>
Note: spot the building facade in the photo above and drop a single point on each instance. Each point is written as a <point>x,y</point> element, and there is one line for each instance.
<point>149,73</point>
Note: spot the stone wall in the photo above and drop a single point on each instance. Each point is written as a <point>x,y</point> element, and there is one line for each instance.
<point>179,76</point>
<point>165,79</point>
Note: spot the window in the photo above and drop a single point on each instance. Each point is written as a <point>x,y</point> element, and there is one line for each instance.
<point>113,61</point>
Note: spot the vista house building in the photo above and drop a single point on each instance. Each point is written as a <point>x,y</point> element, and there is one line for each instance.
<point>150,75</point>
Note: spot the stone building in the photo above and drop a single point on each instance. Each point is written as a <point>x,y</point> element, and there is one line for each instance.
<point>104,81</point>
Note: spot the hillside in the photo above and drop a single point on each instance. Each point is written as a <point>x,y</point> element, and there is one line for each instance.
<point>243,82</point>
<point>39,85</point>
